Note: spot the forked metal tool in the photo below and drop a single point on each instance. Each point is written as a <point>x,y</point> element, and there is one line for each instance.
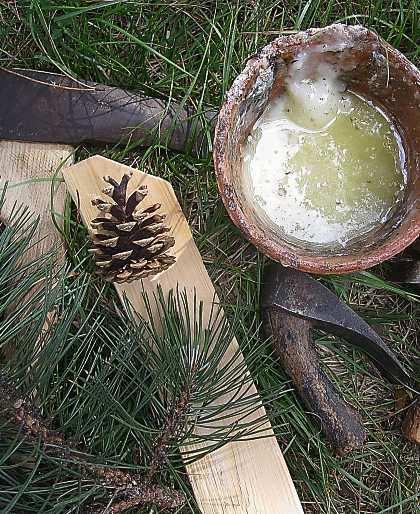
<point>293,304</point>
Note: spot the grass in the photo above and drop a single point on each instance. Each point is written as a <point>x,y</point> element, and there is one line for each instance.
<point>192,51</point>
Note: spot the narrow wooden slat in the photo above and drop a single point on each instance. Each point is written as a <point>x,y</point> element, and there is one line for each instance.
<point>249,477</point>
<point>29,168</point>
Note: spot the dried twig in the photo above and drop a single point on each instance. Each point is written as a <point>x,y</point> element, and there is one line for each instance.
<point>164,498</point>
<point>21,412</point>
<point>173,423</point>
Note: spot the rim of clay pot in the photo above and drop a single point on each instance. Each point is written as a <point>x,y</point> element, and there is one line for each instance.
<point>257,69</point>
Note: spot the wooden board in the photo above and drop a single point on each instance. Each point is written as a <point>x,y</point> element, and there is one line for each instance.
<point>30,168</point>
<point>249,477</point>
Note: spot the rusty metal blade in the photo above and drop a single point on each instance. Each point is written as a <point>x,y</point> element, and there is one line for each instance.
<point>46,107</point>
<point>299,294</point>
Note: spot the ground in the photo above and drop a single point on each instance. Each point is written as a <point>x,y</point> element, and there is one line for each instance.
<point>192,51</point>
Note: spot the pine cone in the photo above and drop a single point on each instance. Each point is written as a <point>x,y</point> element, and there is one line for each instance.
<point>129,243</point>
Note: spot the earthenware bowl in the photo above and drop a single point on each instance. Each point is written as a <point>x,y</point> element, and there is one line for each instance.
<point>371,68</point>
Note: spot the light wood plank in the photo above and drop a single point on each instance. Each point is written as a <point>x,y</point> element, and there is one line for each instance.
<point>249,477</point>
<point>29,168</point>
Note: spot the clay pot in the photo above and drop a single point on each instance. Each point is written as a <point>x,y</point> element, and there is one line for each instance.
<point>370,67</point>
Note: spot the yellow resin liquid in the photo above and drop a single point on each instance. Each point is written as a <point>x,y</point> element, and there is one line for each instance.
<point>324,166</point>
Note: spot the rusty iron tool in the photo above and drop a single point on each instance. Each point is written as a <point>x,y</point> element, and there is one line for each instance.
<point>293,303</point>
<point>49,108</point>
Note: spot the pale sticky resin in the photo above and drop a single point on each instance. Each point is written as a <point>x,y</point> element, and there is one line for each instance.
<point>322,164</point>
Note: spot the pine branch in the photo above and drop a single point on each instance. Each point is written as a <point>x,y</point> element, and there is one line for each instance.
<point>163,385</point>
<point>190,360</point>
<point>24,280</point>
<point>164,498</point>
<point>175,420</point>
<point>16,409</point>
<point>130,490</point>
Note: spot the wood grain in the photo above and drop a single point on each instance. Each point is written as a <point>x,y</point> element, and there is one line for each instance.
<point>249,477</point>
<point>29,169</point>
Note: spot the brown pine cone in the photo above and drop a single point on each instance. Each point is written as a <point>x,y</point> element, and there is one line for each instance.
<point>129,243</point>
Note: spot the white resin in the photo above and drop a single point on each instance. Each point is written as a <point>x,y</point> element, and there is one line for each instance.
<point>322,164</point>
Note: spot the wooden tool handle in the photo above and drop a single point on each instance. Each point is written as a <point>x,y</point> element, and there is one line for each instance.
<point>295,349</point>
<point>411,424</point>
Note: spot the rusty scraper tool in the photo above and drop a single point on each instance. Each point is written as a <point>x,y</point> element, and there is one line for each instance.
<point>294,303</point>
<point>50,108</point>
